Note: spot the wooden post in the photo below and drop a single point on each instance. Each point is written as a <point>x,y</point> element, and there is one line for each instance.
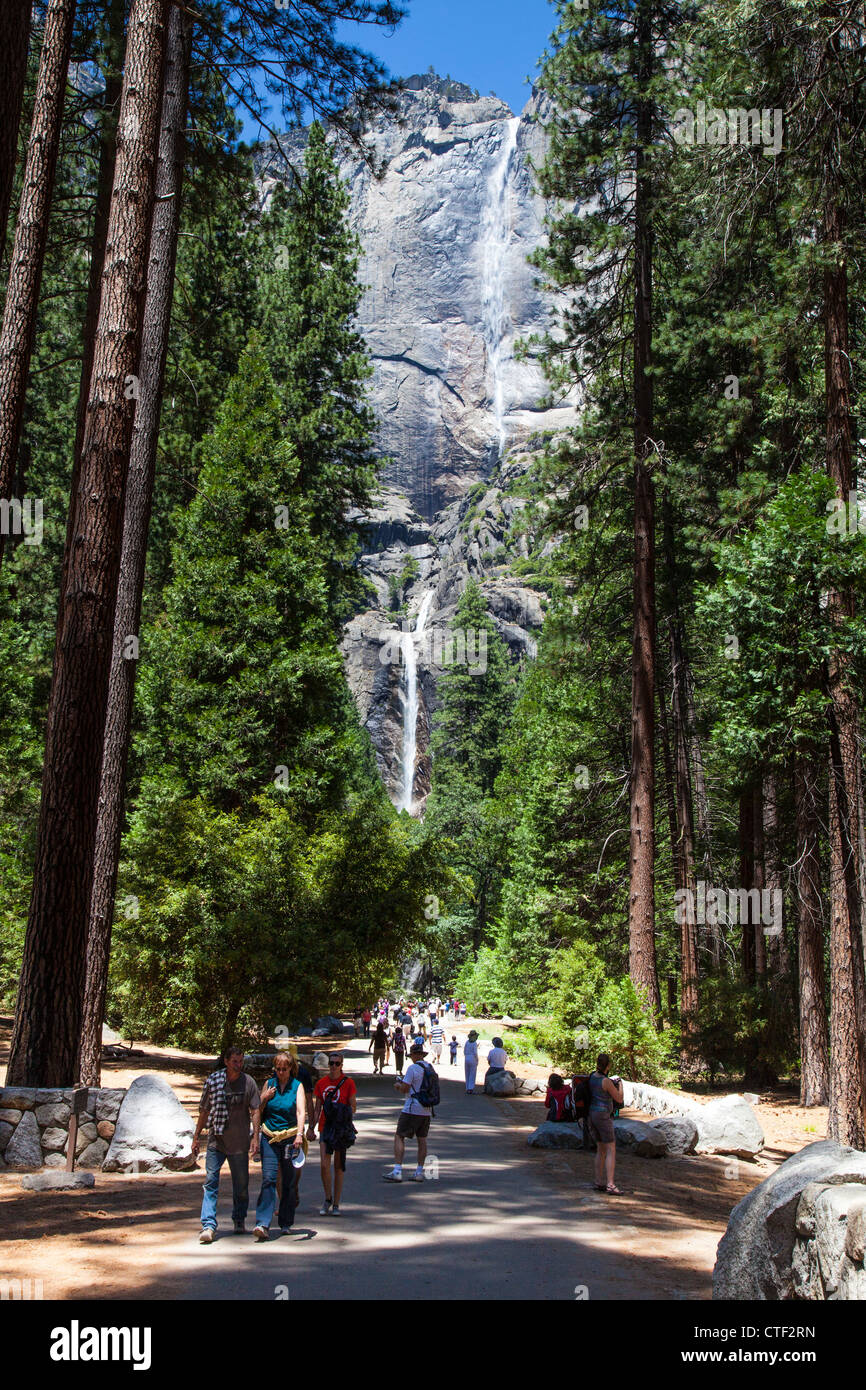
<point>79,1105</point>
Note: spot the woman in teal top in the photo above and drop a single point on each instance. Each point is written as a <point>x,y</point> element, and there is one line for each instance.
<point>283,1109</point>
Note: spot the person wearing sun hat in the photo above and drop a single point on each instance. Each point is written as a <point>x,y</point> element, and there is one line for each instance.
<point>414,1121</point>
<point>470,1061</point>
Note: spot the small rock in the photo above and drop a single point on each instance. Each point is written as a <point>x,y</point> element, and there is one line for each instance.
<point>17,1098</point>
<point>108,1104</point>
<point>54,1161</point>
<point>50,1095</point>
<point>93,1154</point>
<point>24,1150</point>
<point>53,1113</point>
<point>6,1131</point>
<point>57,1182</point>
<point>54,1138</point>
<point>86,1135</point>
<point>11,1117</point>
<point>105,1129</point>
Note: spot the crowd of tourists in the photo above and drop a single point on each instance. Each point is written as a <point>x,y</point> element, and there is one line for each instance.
<point>292,1110</point>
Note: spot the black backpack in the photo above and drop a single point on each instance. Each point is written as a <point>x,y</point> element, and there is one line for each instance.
<point>339,1131</point>
<point>428,1095</point>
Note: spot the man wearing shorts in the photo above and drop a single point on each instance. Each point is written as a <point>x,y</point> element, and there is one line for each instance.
<point>414,1121</point>
<point>437,1038</point>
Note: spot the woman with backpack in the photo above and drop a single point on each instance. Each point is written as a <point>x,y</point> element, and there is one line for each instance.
<point>335,1099</point>
<point>605,1092</point>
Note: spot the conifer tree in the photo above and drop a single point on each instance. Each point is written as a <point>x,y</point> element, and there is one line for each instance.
<point>310,296</point>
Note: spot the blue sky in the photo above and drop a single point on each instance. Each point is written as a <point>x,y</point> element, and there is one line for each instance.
<point>489,44</point>
<point>492,45</point>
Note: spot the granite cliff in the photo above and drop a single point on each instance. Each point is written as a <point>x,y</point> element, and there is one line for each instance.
<point>446,224</point>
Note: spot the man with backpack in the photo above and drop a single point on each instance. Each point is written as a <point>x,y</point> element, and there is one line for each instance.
<point>420,1086</point>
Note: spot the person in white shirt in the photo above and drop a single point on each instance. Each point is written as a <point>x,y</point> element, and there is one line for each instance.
<point>414,1121</point>
<point>496,1057</point>
<point>470,1061</point>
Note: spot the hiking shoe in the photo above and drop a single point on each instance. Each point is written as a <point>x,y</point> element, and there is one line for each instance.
<point>260,1233</point>
<point>392,1177</point>
<point>206,1237</point>
<point>418,1175</point>
<point>335,1210</point>
<point>326,1206</point>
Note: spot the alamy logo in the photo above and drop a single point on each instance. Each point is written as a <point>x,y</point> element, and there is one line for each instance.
<point>77,1343</point>
<point>733,126</point>
<point>458,648</point>
<point>17,518</point>
<point>715,907</point>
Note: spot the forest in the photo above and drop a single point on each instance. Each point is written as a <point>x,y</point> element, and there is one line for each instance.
<point>650,838</point>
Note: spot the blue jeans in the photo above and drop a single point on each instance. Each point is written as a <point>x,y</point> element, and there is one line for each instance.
<point>276,1156</point>
<point>239,1166</point>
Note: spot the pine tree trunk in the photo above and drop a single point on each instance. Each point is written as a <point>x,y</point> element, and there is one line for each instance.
<point>847,1121</point>
<point>686,830</point>
<point>50,997</point>
<point>778,961</point>
<point>814,1047</point>
<point>31,235</point>
<point>139,496</point>
<point>759,879</point>
<point>13,75</point>
<point>642,952</point>
<point>747,880</point>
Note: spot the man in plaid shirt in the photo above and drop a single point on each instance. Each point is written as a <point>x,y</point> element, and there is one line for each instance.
<point>229,1103</point>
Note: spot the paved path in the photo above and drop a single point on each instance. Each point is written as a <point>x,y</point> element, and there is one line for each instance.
<point>494,1224</point>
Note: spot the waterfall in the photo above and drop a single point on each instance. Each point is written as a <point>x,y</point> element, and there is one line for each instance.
<point>495,237</point>
<point>410,704</point>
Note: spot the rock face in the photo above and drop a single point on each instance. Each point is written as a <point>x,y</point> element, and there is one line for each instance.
<point>756,1256</point>
<point>446,223</point>
<point>153,1131</point>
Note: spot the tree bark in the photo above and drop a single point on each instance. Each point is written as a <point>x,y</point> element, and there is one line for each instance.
<point>642,952</point>
<point>13,74</point>
<point>814,1043</point>
<point>759,879</point>
<point>747,880</point>
<point>139,498</point>
<point>686,832</point>
<point>847,1121</point>
<point>778,960</point>
<point>31,235</point>
<point>50,998</point>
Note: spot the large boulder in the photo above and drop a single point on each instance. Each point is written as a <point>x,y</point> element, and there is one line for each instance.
<point>501,1083</point>
<point>679,1132</point>
<point>24,1151</point>
<point>639,1138</point>
<point>562,1135</point>
<point>729,1125</point>
<point>827,1262</point>
<point>154,1132</point>
<point>755,1255</point>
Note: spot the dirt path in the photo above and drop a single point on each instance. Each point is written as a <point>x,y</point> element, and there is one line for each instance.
<point>500,1221</point>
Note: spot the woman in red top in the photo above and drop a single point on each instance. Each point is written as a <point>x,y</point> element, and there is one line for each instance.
<point>334,1086</point>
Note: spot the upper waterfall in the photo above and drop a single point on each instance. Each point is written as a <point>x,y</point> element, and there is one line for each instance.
<point>495,239</point>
